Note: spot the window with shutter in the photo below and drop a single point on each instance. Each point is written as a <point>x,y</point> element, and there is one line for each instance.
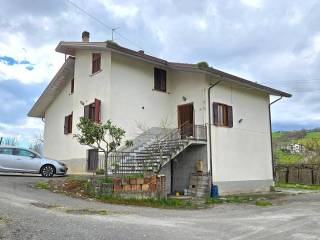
<point>160,80</point>
<point>97,111</point>
<point>68,124</point>
<point>93,111</point>
<point>222,115</point>
<point>96,62</point>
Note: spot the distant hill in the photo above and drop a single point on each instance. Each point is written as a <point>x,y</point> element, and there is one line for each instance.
<point>302,146</point>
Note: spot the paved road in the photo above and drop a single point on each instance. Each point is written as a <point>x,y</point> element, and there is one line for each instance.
<point>28,213</point>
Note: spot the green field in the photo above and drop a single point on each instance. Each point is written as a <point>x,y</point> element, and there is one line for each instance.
<point>285,138</point>
<point>313,135</point>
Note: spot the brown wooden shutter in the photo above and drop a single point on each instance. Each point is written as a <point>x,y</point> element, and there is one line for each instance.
<point>66,122</point>
<point>93,159</point>
<point>86,111</point>
<point>72,85</point>
<point>230,117</point>
<point>70,123</point>
<point>215,113</point>
<point>97,110</point>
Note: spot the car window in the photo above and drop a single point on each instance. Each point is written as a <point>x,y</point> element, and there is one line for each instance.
<point>6,151</point>
<point>23,153</point>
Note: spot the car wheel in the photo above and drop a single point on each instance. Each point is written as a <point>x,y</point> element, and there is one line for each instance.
<point>47,171</point>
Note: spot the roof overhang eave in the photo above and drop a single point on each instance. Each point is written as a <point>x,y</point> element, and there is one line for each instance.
<point>241,81</point>
<point>49,94</point>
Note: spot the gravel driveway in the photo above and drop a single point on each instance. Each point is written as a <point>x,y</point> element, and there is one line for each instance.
<point>28,213</point>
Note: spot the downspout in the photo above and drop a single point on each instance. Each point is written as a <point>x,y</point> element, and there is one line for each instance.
<point>271,141</point>
<point>209,125</point>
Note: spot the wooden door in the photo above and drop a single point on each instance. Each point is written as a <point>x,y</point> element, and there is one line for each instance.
<point>186,119</point>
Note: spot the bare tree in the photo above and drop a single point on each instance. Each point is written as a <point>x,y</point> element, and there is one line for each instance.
<point>9,141</point>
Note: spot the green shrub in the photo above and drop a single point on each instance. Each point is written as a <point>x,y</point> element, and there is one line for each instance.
<point>42,185</point>
<point>262,203</point>
<point>100,172</point>
<point>203,64</point>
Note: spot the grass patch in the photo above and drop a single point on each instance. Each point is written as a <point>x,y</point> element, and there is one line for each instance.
<point>87,211</point>
<point>147,202</point>
<point>42,185</point>
<point>262,203</point>
<point>313,135</point>
<point>3,220</point>
<point>104,180</point>
<point>79,187</point>
<point>215,201</point>
<point>298,186</point>
<point>259,199</point>
<point>276,135</point>
<point>238,199</point>
<point>287,158</point>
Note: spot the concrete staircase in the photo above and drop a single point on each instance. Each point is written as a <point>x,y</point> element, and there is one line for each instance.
<point>150,151</point>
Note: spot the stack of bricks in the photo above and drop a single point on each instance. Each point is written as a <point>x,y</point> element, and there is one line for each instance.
<point>146,184</point>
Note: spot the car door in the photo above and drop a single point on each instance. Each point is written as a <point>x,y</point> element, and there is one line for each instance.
<point>26,161</point>
<point>6,160</point>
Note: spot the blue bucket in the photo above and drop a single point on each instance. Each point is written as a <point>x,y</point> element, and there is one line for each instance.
<point>214,191</point>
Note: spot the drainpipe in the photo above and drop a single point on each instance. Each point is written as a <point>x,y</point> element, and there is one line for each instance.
<point>272,157</point>
<point>209,125</point>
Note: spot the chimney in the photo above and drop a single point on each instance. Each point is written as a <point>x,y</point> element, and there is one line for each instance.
<point>85,36</point>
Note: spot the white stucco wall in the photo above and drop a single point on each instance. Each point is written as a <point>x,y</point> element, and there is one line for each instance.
<point>133,100</point>
<point>87,87</point>
<point>56,143</point>
<point>193,86</point>
<point>242,153</point>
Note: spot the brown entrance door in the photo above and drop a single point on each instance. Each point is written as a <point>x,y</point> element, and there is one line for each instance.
<point>185,119</point>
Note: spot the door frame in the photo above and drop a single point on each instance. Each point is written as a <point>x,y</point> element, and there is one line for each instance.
<point>193,113</point>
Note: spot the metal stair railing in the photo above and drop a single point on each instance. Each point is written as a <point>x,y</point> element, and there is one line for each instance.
<point>155,152</point>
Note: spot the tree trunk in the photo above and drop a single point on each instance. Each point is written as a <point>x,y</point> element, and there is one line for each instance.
<point>105,164</point>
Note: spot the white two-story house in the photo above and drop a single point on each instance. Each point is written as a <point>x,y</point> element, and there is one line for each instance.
<point>224,119</point>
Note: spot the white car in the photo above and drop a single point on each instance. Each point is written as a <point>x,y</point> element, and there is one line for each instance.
<point>21,160</point>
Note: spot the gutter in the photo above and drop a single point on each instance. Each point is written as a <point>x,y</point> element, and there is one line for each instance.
<point>271,141</point>
<point>209,125</point>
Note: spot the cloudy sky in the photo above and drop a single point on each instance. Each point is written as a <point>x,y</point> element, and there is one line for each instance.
<point>272,42</point>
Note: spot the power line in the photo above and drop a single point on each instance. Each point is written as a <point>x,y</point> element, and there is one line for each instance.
<point>113,29</point>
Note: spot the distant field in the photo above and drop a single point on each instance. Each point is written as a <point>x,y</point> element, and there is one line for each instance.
<point>276,134</point>
<point>285,138</point>
<point>313,135</point>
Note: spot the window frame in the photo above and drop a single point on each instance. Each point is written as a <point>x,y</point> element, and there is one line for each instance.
<point>96,63</point>
<point>222,115</point>
<point>160,80</point>
<point>93,111</point>
<point>68,120</point>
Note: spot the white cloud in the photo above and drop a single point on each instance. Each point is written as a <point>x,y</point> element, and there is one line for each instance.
<point>125,10</point>
<point>44,59</point>
<point>253,3</point>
